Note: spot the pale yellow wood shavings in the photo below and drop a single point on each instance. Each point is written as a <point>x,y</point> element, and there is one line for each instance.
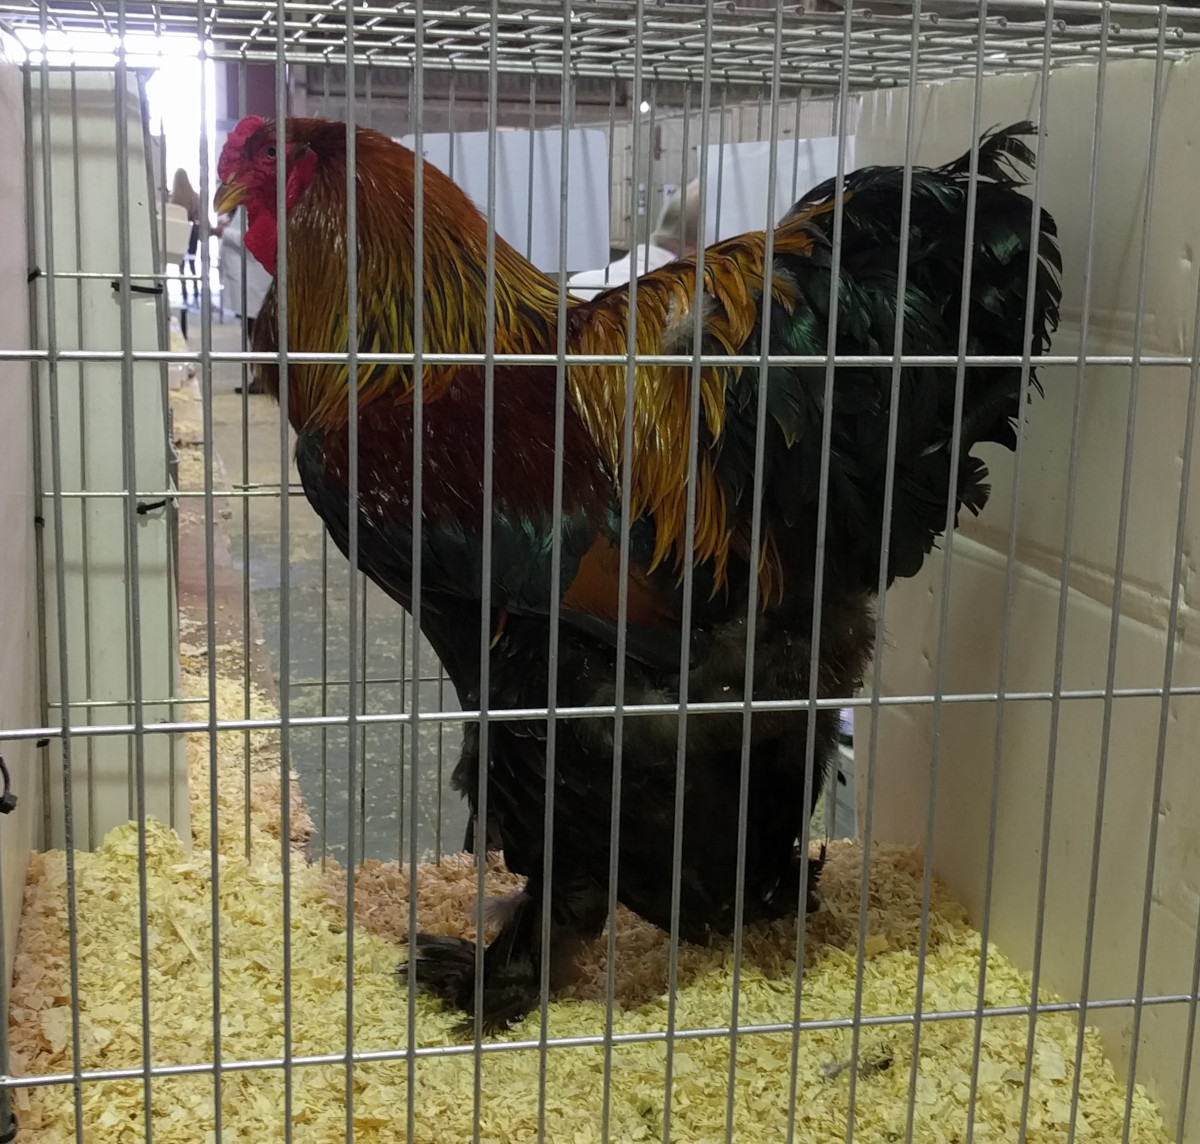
<point>180,975</point>
<point>233,760</point>
<point>249,899</point>
<point>445,899</point>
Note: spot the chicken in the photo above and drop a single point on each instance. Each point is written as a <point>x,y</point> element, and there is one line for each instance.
<point>524,524</point>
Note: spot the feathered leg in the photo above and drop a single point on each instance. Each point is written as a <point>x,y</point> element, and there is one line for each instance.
<point>512,968</point>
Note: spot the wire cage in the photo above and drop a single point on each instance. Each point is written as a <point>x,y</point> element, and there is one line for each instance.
<point>232,753</point>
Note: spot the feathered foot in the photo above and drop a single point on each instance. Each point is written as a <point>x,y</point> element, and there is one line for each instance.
<point>780,900</point>
<point>445,966</point>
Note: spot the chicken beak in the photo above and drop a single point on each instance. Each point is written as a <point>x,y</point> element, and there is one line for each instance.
<point>229,195</point>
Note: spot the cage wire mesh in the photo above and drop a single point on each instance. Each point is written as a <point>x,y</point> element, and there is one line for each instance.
<point>212,670</point>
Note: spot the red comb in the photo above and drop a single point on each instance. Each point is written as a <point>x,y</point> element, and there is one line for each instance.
<point>232,151</point>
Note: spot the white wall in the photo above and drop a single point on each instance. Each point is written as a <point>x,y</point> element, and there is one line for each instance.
<point>97,569</point>
<point>19,700</point>
<point>528,189</point>
<point>960,838</point>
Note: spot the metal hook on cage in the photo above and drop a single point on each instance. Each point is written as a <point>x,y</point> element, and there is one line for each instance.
<point>143,509</point>
<point>134,288</point>
<point>8,803</point>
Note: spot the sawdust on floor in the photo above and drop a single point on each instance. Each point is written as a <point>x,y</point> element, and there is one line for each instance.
<point>250,975</point>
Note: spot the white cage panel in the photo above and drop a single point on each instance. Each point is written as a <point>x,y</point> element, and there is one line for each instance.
<point>20,702</point>
<point>112,425</point>
<point>969,660</point>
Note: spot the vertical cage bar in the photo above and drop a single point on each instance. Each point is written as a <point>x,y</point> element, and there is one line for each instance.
<point>324,811</point>
<point>951,502</point>
<point>612,145</point>
<point>1056,690</point>
<point>485,609</point>
<point>416,127</point>
<point>84,468</point>
<point>614,837</point>
<point>8,1118</point>
<point>566,109</point>
<point>684,167</point>
<point>532,130</point>
<point>1189,1041</point>
<point>796,145</point>
<point>1190,432</point>
<point>1180,555</point>
<point>888,506</point>
<point>819,568</point>
<point>354,634</point>
<point>418,444</point>
<point>401,780</point>
<point>405,621</point>
<point>451,92</point>
<point>285,583</point>
<point>1064,586</point>
<point>132,549</point>
<point>634,268</point>
<point>210,601</point>
<point>131,742</point>
<point>689,568</point>
<point>364,675</point>
<point>1106,722</point>
<point>721,154</point>
<point>39,458</point>
<point>246,374</point>
<point>156,195</point>
<point>485,586</point>
<point>757,552</point>
<point>363,731</point>
<point>60,587</point>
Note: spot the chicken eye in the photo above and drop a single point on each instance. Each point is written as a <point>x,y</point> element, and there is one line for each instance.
<point>270,152</point>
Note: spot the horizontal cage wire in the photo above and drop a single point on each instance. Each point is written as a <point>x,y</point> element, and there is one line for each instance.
<point>599,41</point>
<point>895,861</point>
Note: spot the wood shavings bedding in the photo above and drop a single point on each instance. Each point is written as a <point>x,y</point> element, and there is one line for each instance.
<point>234,763</point>
<point>251,964</point>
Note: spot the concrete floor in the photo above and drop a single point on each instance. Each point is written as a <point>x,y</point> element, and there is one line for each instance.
<point>319,622</point>
<point>318,630</point>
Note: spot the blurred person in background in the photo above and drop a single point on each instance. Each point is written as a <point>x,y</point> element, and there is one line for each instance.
<point>674,236</point>
<point>183,194</point>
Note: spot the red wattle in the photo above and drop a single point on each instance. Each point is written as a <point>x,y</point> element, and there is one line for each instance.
<point>261,240</point>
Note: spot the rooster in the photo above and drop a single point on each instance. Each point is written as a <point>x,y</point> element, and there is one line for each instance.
<point>588,529</point>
